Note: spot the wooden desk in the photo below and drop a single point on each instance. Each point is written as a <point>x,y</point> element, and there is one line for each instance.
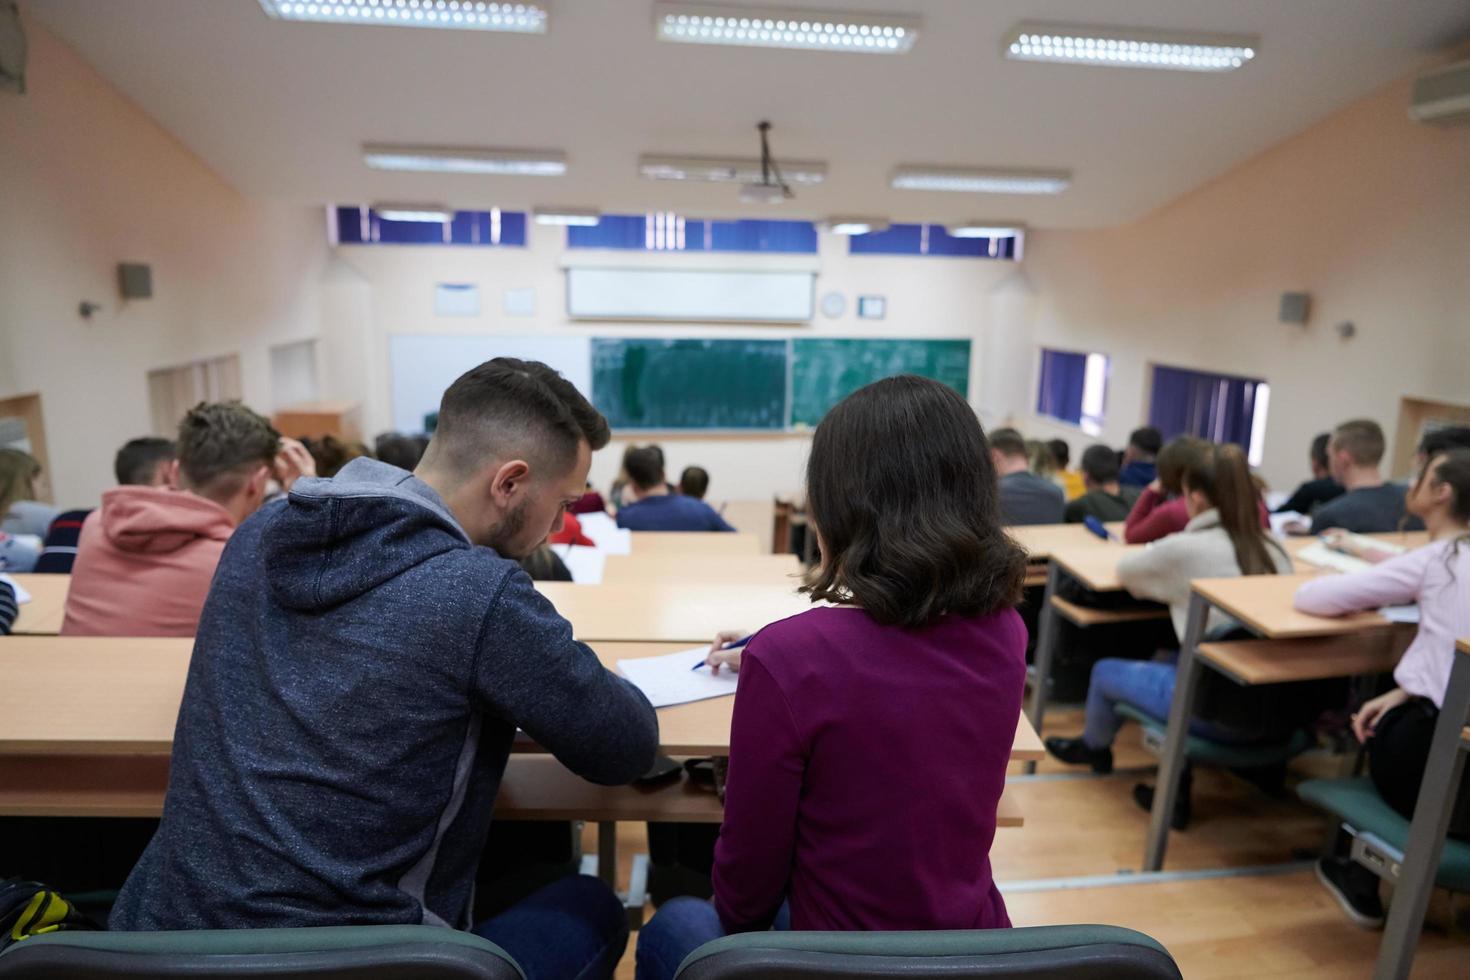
<point>42,616</point>
<point>1408,540</point>
<point>676,569</point>
<point>1041,540</point>
<point>1262,603</point>
<point>757,517</point>
<point>1432,811</point>
<point>663,612</point>
<point>694,543</point>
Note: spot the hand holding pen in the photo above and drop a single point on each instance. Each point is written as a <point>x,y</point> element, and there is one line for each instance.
<point>724,652</point>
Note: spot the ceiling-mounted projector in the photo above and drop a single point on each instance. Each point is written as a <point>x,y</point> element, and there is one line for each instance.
<point>771,188</point>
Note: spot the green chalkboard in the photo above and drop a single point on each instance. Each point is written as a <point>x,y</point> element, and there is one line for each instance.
<point>690,384</point>
<point>823,372</point>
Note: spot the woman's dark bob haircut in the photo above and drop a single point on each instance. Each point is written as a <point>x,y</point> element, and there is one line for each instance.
<point>904,495</point>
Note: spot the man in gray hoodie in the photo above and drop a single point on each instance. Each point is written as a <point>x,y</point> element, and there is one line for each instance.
<point>367,651</point>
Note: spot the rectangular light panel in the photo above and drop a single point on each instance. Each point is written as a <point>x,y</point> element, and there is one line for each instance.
<point>454,15</point>
<point>1128,48</point>
<point>981,181</point>
<point>724,170</point>
<point>465,160</point>
<point>784,27</point>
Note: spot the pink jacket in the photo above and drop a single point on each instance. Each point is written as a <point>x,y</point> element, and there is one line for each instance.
<point>144,563</point>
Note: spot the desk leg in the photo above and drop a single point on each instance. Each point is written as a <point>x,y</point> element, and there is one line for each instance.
<point>607,852</point>
<point>1432,812</point>
<point>1046,641</point>
<point>1171,765</point>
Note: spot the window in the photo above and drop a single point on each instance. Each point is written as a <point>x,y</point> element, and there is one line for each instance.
<point>1073,389</point>
<point>1218,407</point>
<point>931,240</point>
<point>364,226</point>
<point>665,231</point>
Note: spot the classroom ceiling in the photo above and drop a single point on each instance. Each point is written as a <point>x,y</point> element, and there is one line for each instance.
<point>281,109</point>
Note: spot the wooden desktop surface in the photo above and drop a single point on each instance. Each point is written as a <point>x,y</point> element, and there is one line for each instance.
<point>1095,565</point>
<point>1408,540</point>
<point>695,543</point>
<point>1042,540</point>
<point>1309,658</point>
<point>680,568</point>
<point>42,616</point>
<point>690,612</point>
<point>1264,603</point>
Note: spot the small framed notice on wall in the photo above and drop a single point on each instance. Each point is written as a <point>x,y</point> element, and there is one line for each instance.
<point>456,299</point>
<point>871,307</point>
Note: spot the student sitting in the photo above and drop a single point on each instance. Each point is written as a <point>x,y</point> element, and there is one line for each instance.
<point>1369,504</point>
<point>142,462</point>
<point>368,650</point>
<point>1223,538</point>
<point>330,454</point>
<point>694,482</point>
<point>910,683</point>
<point>1397,727</point>
<point>1104,499</point>
<point>23,519</point>
<point>1071,481</point>
<point>397,449</point>
<point>1439,441</point>
<point>653,507</point>
<point>1139,456</point>
<point>1321,488</point>
<point>146,556</point>
<point>9,607</point>
<point>1025,498</point>
<point>571,533</point>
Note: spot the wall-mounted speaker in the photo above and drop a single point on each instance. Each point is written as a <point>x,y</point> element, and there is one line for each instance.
<point>1295,307</point>
<point>135,280</point>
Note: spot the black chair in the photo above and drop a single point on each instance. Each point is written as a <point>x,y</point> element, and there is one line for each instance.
<point>410,952</point>
<point>1041,953</point>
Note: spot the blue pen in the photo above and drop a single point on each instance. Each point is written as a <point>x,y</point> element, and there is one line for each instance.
<point>728,646</point>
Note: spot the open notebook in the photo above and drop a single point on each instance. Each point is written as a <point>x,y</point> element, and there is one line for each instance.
<point>1317,553</point>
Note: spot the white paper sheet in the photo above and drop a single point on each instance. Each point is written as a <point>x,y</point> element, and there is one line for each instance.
<point>21,595</point>
<point>1279,521</point>
<point>605,533</point>
<point>670,679</point>
<point>1400,614</point>
<point>1317,553</point>
<point>585,564</point>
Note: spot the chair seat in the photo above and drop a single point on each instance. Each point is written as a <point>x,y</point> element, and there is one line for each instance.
<point>330,953</point>
<point>1224,754</point>
<point>1356,802</point>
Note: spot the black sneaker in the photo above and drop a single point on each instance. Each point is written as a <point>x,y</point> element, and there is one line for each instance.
<point>1355,888</point>
<point>1183,810</point>
<point>1076,752</point>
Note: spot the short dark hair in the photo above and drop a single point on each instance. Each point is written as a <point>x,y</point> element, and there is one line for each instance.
<point>1008,442</point>
<point>1100,464</point>
<point>1060,451</point>
<point>1454,470</point>
<point>1444,439</point>
<point>914,532</point>
<point>1319,449</point>
<point>220,444</point>
<point>331,454</point>
<point>1362,440</point>
<point>1147,439</point>
<point>397,449</point>
<point>507,405</point>
<point>694,482</point>
<point>645,467</point>
<point>138,459</point>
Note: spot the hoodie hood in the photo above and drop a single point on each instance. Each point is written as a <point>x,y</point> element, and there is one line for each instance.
<point>158,520</point>
<point>332,540</point>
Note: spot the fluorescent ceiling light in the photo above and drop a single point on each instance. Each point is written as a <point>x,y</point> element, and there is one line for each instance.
<point>1128,48</point>
<point>987,229</point>
<point>777,27</point>
<point>436,213</point>
<point>981,181</point>
<point>455,15</point>
<point>855,226</point>
<point>461,160</point>
<point>585,217</point>
<point>724,170</point>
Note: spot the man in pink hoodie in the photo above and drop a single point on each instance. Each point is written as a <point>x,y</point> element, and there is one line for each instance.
<point>146,557</point>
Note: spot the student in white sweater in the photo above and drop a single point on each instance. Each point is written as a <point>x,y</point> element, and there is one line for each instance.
<point>1398,727</point>
<point>1223,538</point>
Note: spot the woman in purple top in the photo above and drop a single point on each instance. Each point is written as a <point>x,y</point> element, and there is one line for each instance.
<point>870,737</point>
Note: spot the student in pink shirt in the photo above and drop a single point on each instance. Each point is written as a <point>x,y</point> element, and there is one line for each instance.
<point>145,558</point>
<point>870,737</point>
<point>1160,511</point>
<point>1398,727</point>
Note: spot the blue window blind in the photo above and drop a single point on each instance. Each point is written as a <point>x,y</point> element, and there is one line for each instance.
<point>1073,388</point>
<point>929,240</point>
<point>1218,407</point>
<point>364,226</point>
<point>667,232</point>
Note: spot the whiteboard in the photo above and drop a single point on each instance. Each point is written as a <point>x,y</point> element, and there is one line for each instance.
<point>742,296</point>
<point>423,365</point>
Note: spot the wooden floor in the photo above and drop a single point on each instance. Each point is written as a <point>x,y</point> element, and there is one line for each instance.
<point>1276,921</point>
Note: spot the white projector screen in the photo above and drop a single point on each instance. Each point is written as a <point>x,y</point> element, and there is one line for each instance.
<point>743,296</point>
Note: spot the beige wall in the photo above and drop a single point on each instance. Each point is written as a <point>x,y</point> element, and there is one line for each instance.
<point>88,180</point>
<point>1367,211</point>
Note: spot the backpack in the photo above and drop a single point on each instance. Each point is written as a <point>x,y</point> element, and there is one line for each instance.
<point>29,908</point>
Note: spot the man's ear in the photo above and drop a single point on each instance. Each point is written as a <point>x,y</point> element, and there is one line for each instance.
<point>258,481</point>
<point>171,476</point>
<point>509,481</point>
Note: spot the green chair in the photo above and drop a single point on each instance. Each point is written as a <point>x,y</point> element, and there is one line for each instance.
<point>409,952</point>
<point>1043,953</point>
<point>1380,833</point>
<point>1221,754</point>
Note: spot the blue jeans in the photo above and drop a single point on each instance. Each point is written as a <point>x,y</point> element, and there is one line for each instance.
<point>1147,685</point>
<point>573,929</point>
<point>681,926</point>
